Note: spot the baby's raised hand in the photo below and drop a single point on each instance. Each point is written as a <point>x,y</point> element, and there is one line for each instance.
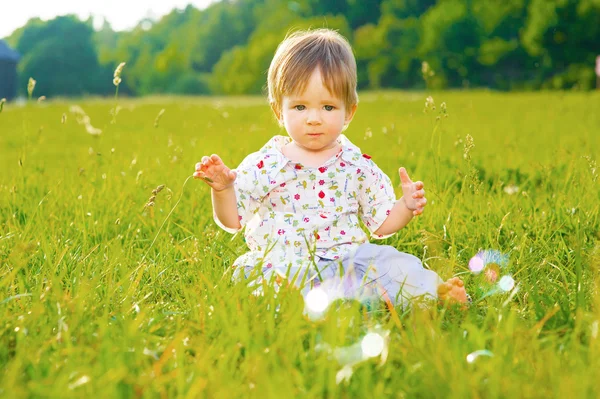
<point>413,193</point>
<point>215,173</point>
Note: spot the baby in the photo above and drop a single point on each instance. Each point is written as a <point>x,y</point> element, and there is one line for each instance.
<point>301,198</point>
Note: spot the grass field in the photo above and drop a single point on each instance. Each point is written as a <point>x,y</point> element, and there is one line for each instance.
<point>89,307</point>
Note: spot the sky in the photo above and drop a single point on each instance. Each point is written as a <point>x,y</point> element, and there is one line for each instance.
<point>121,14</point>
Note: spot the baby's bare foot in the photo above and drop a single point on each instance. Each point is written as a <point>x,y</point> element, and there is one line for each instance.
<point>452,291</point>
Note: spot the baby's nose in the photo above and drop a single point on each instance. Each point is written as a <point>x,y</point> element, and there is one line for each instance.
<point>313,118</point>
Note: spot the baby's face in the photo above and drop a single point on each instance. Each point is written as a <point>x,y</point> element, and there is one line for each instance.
<point>315,118</point>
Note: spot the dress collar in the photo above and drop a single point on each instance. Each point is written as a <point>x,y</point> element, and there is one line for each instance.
<point>272,151</point>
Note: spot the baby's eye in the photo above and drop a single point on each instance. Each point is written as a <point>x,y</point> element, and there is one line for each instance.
<point>329,107</point>
<point>300,107</point>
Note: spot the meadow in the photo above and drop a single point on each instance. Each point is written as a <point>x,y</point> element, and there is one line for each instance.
<point>97,300</point>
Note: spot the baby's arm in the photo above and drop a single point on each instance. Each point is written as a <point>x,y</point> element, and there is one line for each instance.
<point>410,204</point>
<point>399,217</point>
<point>220,178</point>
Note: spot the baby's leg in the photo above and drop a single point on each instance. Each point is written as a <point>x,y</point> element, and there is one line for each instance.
<point>404,278</point>
<point>452,291</point>
<point>400,275</point>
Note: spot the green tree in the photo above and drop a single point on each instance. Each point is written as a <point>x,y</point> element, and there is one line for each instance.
<point>563,37</point>
<point>243,70</point>
<point>61,56</point>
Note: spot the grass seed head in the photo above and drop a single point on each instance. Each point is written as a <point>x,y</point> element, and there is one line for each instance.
<point>426,70</point>
<point>119,70</point>
<point>160,114</point>
<point>31,86</point>
<point>429,104</point>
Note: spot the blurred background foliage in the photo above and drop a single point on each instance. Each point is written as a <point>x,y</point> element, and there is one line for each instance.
<point>226,48</point>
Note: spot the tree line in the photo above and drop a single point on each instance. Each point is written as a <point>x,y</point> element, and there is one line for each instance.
<point>226,48</point>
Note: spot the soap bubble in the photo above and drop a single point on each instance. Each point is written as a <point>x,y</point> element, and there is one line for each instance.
<point>372,344</point>
<point>317,300</point>
<point>487,258</point>
<point>347,288</point>
<point>506,283</point>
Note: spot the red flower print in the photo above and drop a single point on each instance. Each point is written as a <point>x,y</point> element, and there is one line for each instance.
<point>281,232</point>
<point>331,199</point>
<point>306,220</point>
<point>357,171</point>
<point>343,232</point>
<point>342,164</point>
<point>269,265</point>
<point>381,187</point>
<point>366,156</point>
<point>322,169</point>
<point>239,218</point>
<point>282,185</point>
<point>321,182</point>
<point>321,194</point>
<point>297,196</point>
<point>298,166</point>
<point>323,216</point>
<point>327,228</point>
<point>387,213</point>
<point>317,236</point>
<point>260,165</point>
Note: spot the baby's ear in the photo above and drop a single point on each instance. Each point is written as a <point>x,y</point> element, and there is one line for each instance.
<point>277,111</point>
<point>350,114</point>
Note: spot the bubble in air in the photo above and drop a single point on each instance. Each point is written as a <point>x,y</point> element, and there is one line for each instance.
<point>490,258</point>
<point>316,301</point>
<point>506,283</point>
<point>476,264</point>
<point>347,288</point>
<point>372,345</point>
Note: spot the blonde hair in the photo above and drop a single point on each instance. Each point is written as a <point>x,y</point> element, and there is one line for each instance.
<point>300,53</point>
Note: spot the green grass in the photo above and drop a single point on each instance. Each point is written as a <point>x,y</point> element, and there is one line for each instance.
<point>87,308</point>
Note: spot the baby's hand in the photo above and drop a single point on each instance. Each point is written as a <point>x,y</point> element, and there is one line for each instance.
<point>214,172</point>
<point>413,193</point>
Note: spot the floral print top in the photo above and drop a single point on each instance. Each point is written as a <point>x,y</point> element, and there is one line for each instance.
<point>292,212</point>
